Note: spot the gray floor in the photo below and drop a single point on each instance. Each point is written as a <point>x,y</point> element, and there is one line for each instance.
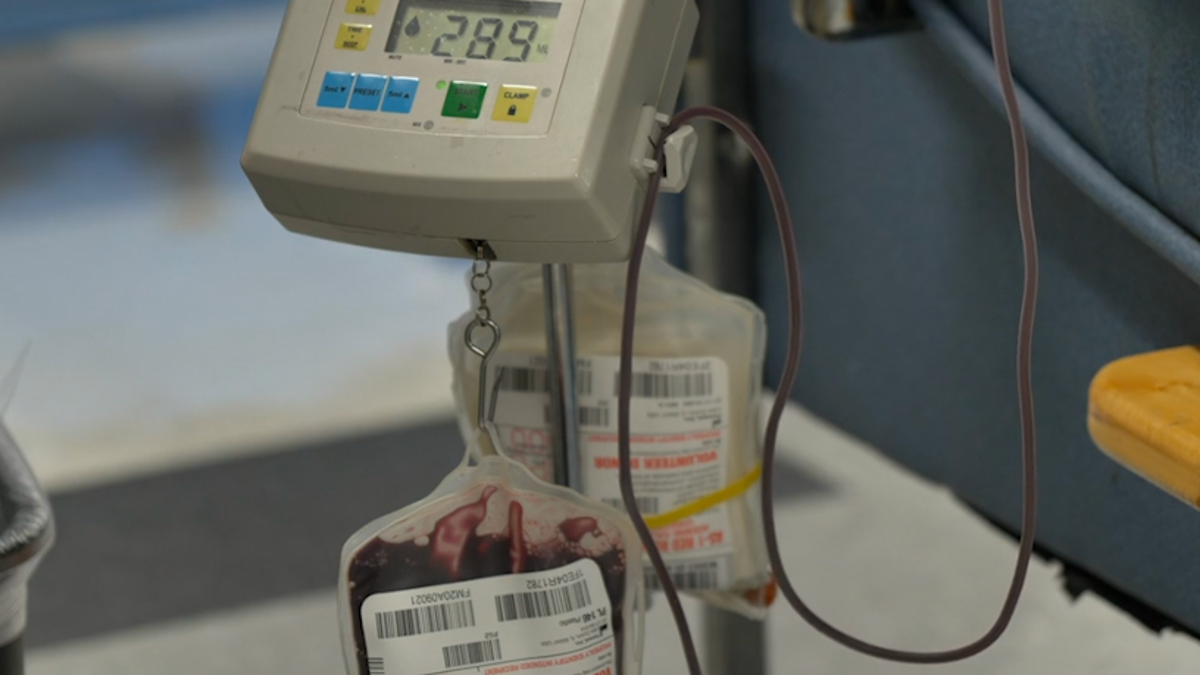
<point>238,533</point>
<point>888,556</point>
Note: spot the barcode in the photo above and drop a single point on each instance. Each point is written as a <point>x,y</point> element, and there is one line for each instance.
<point>421,620</point>
<point>541,604</point>
<point>693,576</point>
<point>661,385</point>
<point>588,416</point>
<point>472,653</point>
<point>537,380</point>
<point>524,380</point>
<point>375,666</point>
<point>647,505</point>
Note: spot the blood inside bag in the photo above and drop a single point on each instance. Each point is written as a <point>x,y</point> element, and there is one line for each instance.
<point>521,532</point>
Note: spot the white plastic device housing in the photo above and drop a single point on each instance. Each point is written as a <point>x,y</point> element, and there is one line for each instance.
<point>567,196</point>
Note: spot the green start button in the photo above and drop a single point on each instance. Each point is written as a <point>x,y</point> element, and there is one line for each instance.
<point>464,99</point>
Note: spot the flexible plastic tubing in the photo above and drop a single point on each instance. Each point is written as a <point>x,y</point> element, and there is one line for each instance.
<point>795,334</point>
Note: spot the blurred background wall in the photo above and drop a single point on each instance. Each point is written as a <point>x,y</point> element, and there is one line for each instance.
<point>169,315</point>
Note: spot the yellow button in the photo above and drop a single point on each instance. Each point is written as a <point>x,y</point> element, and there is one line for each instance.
<point>515,104</point>
<point>365,7</point>
<point>353,36</point>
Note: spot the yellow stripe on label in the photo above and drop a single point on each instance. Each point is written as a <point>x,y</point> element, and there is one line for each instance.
<point>705,503</point>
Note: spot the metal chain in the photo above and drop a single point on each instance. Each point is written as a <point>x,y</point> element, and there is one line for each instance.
<point>481,283</point>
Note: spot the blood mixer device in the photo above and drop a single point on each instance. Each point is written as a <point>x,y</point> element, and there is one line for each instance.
<point>539,131</point>
<point>429,126</point>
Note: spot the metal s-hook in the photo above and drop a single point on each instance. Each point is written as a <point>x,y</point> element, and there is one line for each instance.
<point>485,412</point>
<point>481,283</point>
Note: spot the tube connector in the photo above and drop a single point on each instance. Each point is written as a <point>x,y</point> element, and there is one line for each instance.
<point>679,153</point>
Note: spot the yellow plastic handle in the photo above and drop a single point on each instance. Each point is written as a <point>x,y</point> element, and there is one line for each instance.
<point>1144,412</point>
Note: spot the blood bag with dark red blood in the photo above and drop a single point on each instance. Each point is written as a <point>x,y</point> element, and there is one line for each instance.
<point>495,570</point>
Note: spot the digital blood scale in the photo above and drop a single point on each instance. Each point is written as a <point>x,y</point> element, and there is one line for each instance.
<point>430,125</point>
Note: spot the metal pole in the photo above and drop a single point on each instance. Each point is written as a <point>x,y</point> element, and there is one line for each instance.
<point>12,657</point>
<point>721,246</point>
<point>733,644</point>
<point>560,353</point>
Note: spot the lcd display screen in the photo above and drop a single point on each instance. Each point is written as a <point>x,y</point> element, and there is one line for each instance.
<point>492,30</point>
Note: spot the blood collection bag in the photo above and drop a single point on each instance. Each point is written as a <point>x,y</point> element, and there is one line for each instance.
<point>695,440</point>
<point>494,572</point>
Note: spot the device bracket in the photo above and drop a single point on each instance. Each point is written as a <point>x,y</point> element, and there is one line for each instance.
<point>679,152</point>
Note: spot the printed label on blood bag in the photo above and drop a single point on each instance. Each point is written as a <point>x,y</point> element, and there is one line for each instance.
<point>680,441</point>
<point>697,575</point>
<point>522,414</point>
<point>557,622</point>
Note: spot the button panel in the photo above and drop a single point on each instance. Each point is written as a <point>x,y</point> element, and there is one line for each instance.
<point>391,87</point>
<point>363,7</point>
<point>400,94</point>
<point>464,99</point>
<point>355,36</point>
<point>368,92</point>
<point>515,104</point>
<point>335,90</point>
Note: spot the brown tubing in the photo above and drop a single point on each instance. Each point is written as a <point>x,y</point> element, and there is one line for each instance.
<point>795,334</point>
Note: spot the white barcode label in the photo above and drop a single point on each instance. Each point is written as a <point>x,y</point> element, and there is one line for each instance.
<point>663,385</point>
<point>537,380</point>
<point>700,575</point>
<point>421,620</point>
<point>471,653</point>
<point>558,622</point>
<point>647,505</point>
<point>589,416</point>
<point>541,604</point>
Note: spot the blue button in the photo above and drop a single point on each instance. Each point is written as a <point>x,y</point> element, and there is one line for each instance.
<point>401,93</point>
<point>335,91</point>
<point>368,92</point>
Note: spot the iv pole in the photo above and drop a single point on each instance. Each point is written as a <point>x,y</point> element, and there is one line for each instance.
<point>720,246</point>
<point>719,252</point>
<point>560,352</point>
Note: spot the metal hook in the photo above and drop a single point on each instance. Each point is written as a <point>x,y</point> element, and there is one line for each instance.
<point>484,419</point>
